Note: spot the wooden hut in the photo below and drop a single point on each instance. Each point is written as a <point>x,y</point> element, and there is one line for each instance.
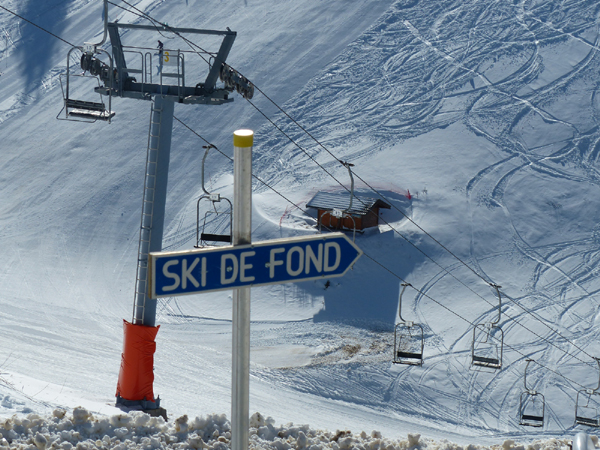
<point>333,210</point>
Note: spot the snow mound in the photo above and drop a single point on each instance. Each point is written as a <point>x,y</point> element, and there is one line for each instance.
<point>137,430</point>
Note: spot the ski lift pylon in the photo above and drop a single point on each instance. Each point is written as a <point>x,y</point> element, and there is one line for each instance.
<point>408,338</point>
<point>488,340</point>
<point>202,238</point>
<point>532,405</point>
<point>588,413</point>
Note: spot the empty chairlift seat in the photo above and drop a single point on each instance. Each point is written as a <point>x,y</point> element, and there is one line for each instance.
<point>532,405</point>
<point>88,110</point>
<point>587,405</point>
<point>488,340</point>
<point>408,338</point>
<point>217,220</point>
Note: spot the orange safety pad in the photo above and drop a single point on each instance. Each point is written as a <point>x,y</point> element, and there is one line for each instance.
<point>137,362</point>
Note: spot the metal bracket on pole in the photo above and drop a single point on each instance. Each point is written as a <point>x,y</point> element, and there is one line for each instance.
<point>243,141</point>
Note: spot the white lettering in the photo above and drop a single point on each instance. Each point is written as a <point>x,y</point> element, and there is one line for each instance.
<point>244,266</point>
<point>203,272</point>
<point>172,275</point>
<point>300,252</point>
<point>273,262</point>
<point>317,259</point>
<point>233,268</point>
<point>186,274</point>
<point>338,256</point>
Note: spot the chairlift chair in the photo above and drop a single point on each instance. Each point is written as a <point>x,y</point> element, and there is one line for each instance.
<point>587,405</point>
<point>342,214</point>
<point>532,405</point>
<point>488,340</point>
<point>408,338</point>
<point>86,110</point>
<point>203,239</point>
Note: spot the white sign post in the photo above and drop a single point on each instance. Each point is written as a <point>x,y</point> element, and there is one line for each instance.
<point>243,140</point>
<point>243,265</point>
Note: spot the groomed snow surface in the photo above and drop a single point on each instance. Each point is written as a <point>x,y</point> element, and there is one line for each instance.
<point>487,111</point>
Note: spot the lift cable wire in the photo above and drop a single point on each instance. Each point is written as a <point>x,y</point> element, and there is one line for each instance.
<point>387,269</point>
<point>383,266</point>
<point>142,14</point>
<point>382,196</point>
<point>430,258</point>
<point>473,324</point>
<point>35,25</point>
<point>231,159</point>
<point>285,198</point>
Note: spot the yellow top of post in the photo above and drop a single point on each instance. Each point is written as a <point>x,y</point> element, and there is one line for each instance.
<point>243,138</point>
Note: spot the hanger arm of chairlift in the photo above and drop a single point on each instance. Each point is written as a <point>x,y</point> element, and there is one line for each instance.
<point>404,286</point>
<point>598,385</point>
<point>531,391</point>
<point>497,287</point>
<point>207,148</point>
<point>105,8</point>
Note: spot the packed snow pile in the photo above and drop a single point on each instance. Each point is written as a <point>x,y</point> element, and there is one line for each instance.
<point>137,430</point>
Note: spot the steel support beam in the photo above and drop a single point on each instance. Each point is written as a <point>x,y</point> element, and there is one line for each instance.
<point>155,196</point>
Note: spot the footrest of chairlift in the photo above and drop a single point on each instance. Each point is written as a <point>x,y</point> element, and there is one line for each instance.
<point>95,115</point>
<point>80,104</point>
<point>587,421</point>
<point>88,110</point>
<point>532,421</point>
<point>409,355</point>
<point>488,362</point>
<point>215,237</point>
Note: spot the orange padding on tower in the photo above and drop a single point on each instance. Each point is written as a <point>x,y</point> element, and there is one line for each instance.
<point>137,362</point>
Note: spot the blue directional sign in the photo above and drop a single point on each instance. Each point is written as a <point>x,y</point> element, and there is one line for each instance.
<point>266,262</point>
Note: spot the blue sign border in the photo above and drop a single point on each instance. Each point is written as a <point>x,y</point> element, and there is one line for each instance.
<point>274,261</point>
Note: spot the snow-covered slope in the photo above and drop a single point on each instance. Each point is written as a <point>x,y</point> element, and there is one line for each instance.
<point>485,111</point>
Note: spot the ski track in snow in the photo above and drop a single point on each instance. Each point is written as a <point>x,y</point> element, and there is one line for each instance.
<point>404,75</point>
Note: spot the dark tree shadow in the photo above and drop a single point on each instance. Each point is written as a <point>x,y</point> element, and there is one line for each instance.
<point>36,48</point>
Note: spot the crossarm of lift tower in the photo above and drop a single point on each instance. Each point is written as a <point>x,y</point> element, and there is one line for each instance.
<point>200,93</point>
<point>119,79</point>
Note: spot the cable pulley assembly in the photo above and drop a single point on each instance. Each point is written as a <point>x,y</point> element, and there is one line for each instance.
<point>233,80</point>
<point>95,66</point>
